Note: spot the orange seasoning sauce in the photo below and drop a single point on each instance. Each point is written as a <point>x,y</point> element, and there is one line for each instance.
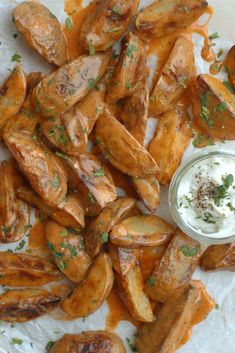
<point>37,240</point>
<point>77,14</point>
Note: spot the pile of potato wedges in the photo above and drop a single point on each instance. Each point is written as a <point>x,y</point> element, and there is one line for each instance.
<point>95,237</point>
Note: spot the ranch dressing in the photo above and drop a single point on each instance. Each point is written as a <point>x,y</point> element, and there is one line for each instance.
<point>206,197</point>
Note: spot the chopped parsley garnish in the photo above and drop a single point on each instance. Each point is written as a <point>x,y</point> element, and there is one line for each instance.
<point>69,23</point>
<point>229,86</point>
<point>98,172</point>
<point>16,341</point>
<point>49,345</point>
<point>64,233</point>
<point>20,245</point>
<point>151,281</point>
<point>208,218</point>
<point>130,50</point>
<point>221,192</point>
<point>16,58</point>
<point>61,155</point>
<point>221,107</point>
<point>55,182</point>
<point>91,197</point>
<point>231,207</point>
<point>228,180</point>
<point>116,10</point>
<point>214,36</point>
<point>111,30</point>
<point>104,237</point>
<point>152,99</point>
<point>128,85</point>
<point>205,113</point>
<point>131,345</point>
<point>91,49</point>
<point>91,83</point>
<point>51,15</point>
<point>190,252</point>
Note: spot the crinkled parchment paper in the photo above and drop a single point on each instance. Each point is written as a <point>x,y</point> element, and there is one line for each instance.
<point>214,335</point>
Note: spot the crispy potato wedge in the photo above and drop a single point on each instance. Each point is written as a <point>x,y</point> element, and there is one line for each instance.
<point>175,77</point>
<point>41,169</point>
<point>186,307</point>
<point>230,65</point>
<point>135,112</point>
<point>121,148</point>
<point>176,267</point>
<point>123,260</point>
<point>23,270</point>
<point>219,257</point>
<point>166,16</point>
<point>26,304</point>
<point>101,341</point>
<point>130,70</point>
<point>68,251</point>
<point>97,231</point>
<point>14,214</point>
<point>42,31</point>
<point>68,213</point>
<point>131,290</point>
<point>12,95</point>
<point>59,91</point>
<point>98,188</point>
<point>107,23</point>
<point>213,108</point>
<point>91,293</point>
<point>138,231</point>
<point>33,80</point>
<point>148,190</point>
<point>170,142</point>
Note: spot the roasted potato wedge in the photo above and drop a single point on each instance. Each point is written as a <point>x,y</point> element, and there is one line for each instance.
<point>138,231</point>
<point>170,142</point>
<point>59,91</point>
<point>23,270</point>
<point>176,267</point>
<point>97,232</point>
<point>107,23</point>
<point>41,169</point>
<point>42,31</point>
<point>213,108</point>
<point>12,95</point>
<point>91,293</point>
<point>130,70</point>
<point>121,148</point>
<point>101,341</point>
<point>68,213</point>
<point>98,188</point>
<point>230,65</point>
<point>135,112</point>
<point>33,80</point>
<point>148,190</point>
<point>166,16</point>
<point>123,260</point>
<point>26,304</point>
<point>174,78</point>
<point>131,290</point>
<point>14,214</point>
<point>68,251</point>
<point>219,257</point>
<point>185,308</point>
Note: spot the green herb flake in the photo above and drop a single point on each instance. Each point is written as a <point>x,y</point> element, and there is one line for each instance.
<point>91,49</point>
<point>62,155</point>
<point>111,30</point>
<point>104,237</point>
<point>217,306</point>
<point>128,85</point>
<point>229,86</point>
<point>20,245</point>
<point>49,345</point>
<point>222,107</point>
<point>91,197</point>
<point>130,50</point>
<point>16,341</point>
<point>55,182</point>
<point>51,15</point>
<point>116,10</point>
<point>64,233</point>
<point>152,281</point>
<point>131,345</point>
<point>91,83</point>
<point>16,58</point>
<point>68,23</point>
<point>190,252</point>
<point>228,180</point>
<point>98,172</point>
<point>214,36</point>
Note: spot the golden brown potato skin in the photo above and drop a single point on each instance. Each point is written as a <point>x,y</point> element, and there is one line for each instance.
<point>130,70</point>
<point>186,307</point>
<point>68,251</point>
<point>123,260</point>
<point>68,213</point>
<point>91,293</point>
<point>42,31</point>
<point>121,148</point>
<point>148,190</point>
<point>12,95</point>
<point>107,23</point>
<point>230,65</point>
<point>23,270</point>
<point>166,16</point>
<point>41,169</point>
<point>213,108</point>
<point>176,267</point>
<point>144,230</point>
<point>89,342</point>
<point>131,290</point>
<point>176,75</point>
<point>219,257</point>
<point>101,226</point>
<point>170,142</point>
<point>59,91</point>
<point>26,304</point>
<point>14,214</point>
<point>98,187</point>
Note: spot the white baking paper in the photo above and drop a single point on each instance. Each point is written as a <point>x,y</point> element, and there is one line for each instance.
<point>217,333</point>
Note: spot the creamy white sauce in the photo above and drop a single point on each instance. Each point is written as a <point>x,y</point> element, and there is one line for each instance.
<point>206,197</point>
